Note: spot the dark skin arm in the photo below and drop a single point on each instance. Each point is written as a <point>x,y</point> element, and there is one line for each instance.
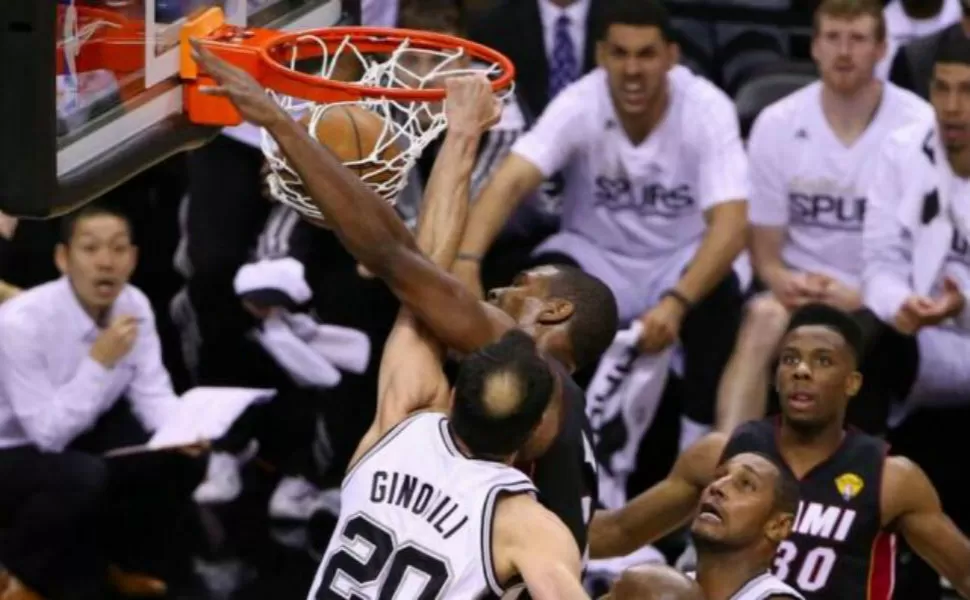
<point>661,509</point>
<point>911,506</point>
<point>365,224</point>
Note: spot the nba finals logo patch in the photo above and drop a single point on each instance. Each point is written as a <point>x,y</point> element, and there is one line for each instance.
<point>849,485</point>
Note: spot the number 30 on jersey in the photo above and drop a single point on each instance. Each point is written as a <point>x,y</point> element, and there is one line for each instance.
<point>811,573</point>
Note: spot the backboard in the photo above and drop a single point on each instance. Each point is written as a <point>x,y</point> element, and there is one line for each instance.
<point>79,117</point>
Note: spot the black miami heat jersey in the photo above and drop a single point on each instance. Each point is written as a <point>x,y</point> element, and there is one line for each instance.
<point>837,548</point>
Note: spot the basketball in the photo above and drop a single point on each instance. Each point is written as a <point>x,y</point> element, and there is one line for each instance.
<point>352,133</point>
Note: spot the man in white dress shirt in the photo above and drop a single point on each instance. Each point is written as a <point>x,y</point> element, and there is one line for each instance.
<point>654,203</point>
<point>81,373</point>
<point>812,157</point>
<point>917,262</point>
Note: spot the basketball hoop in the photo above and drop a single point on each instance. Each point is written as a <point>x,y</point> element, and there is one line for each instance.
<point>396,74</point>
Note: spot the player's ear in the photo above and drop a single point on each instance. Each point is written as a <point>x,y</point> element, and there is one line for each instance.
<point>673,53</point>
<point>133,258</point>
<point>779,527</point>
<point>853,383</point>
<point>60,257</point>
<point>601,53</point>
<point>555,311</point>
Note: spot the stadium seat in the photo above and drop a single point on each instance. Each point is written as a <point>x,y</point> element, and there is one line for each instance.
<point>763,90</point>
<point>747,54</point>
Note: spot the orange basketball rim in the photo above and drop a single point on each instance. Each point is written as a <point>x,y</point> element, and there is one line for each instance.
<point>268,55</point>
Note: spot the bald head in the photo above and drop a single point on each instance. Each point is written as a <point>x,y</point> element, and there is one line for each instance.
<point>501,393</point>
<point>654,582</point>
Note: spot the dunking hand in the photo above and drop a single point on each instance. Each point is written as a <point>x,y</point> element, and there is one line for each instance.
<point>239,87</point>
<point>470,104</point>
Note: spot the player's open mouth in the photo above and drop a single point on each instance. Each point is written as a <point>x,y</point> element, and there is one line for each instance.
<point>710,513</point>
<point>633,91</point>
<point>954,131</point>
<point>801,400</point>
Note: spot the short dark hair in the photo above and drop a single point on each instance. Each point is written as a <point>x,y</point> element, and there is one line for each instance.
<point>786,491</point>
<point>954,47</point>
<point>832,318</point>
<point>501,393</point>
<point>595,317</point>
<point>439,16</point>
<point>640,13</point>
<point>95,209</point>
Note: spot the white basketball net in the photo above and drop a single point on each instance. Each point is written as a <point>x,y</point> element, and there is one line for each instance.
<point>408,126</point>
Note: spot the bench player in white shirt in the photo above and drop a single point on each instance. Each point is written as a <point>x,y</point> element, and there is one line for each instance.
<point>431,507</point>
<point>812,156</point>
<point>917,263</point>
<point>654,202</point>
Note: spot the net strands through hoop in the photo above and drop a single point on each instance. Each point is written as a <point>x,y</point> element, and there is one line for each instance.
<point>409,126</point>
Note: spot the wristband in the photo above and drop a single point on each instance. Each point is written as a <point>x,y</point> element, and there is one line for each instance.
<point>676,295</point>
<point>468,256</point>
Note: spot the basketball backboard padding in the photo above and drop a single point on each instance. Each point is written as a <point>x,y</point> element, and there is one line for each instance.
<point>28,176</point>
<point>160,141</point>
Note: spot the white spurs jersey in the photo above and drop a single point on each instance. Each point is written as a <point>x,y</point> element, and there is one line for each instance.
<point>645,201</point>
<point>416,520</point>
<point>803,178</point>
<point>761,587</point>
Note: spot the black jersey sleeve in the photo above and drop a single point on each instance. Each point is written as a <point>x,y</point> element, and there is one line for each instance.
<point>566,474</point>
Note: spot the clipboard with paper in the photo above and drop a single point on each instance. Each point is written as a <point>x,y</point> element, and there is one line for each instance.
<point>203,414</point>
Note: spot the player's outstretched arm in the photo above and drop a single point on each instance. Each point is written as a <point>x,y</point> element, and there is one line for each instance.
<point>366,225</point>
<point>541,152</point>
<point>912,505</point>
<point>411,378</point>
<point>531,542</point>
<point>662,508</point>
<point>515,178</point>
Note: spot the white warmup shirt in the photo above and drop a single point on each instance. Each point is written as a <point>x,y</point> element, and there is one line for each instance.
<point>902,29</point>
<point>762,587</point>
<point>909,245</point>
<point>633,213</point>
<point>804,179</point>
<point>416,519</point>
<point>51,390</point>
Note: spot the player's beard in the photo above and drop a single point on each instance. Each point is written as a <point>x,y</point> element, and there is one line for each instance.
<point>711,546</point>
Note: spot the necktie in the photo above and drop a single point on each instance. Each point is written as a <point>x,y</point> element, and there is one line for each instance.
<point>563,67</point>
